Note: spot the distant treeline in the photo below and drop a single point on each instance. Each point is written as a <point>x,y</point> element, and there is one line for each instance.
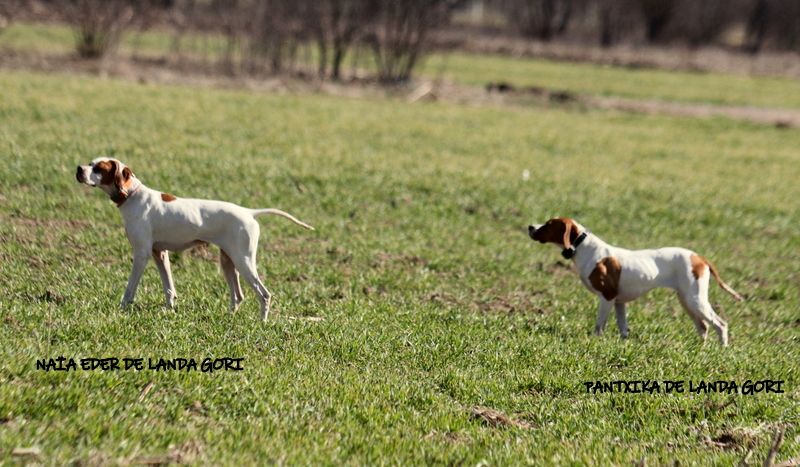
<point>262,35</point>
<point>761,23</point>
<point>274,35</point>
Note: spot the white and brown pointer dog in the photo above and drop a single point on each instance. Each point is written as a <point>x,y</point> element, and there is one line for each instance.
<point>618,276</point>
<point>157,222</point>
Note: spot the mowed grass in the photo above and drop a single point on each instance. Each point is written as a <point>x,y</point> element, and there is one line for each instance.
<point>432,298</point>
<point>475,69</point>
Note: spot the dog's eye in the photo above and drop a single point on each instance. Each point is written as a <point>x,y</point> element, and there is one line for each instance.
<point>96,169</point>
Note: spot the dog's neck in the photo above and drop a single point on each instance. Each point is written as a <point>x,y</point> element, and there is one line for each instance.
<point>120,196</point>
<point>590,250</point>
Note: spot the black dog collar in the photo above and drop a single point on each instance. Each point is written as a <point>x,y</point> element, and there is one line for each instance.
<point>568,253</point>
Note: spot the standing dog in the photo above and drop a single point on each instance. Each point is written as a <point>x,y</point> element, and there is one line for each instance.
<point>157,223</point>
<point>619,276</point>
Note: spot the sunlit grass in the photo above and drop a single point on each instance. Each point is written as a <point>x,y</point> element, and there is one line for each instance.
<point>469,69</point>
<point>432,297</point>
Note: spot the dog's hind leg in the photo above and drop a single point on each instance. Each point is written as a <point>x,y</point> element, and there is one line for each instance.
<point>242,251</point>
<point>161,258</point>
<point>719,324</point>
<point>697,318</point>
<point>703,313</point>
<point>232,278</point>
<point>248,271</point>
<point>694,298</point>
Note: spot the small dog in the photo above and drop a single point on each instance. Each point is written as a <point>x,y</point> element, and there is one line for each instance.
<point>619,276</point>
<point>157,223</point>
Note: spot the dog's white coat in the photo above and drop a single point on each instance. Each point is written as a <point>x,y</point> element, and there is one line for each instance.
<point>644,270</point>
<point>155,226</point>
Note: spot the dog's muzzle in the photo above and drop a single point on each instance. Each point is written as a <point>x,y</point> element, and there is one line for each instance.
<point>531,232</point>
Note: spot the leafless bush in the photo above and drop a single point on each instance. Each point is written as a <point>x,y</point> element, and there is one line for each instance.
<point>11,10</point>
<point>768,23</point>
<point>6,12</point>
<point>657,14</point>
<point>689,22</point>
<point>775,21</point>
<point>617,20</point>
<point>233,19</point>
<point>539,19</point>
<point>98,24</point>
<point>400,33</point>
<point>279,29</point>
<point>258,35</point>
<point>191,16</point>
<point>701,22</point>
<point>279,35</point>
<point>336,25</point>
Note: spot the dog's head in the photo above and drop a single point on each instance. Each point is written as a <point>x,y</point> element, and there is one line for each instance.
<point>561,231</point>
<point>110,175</point>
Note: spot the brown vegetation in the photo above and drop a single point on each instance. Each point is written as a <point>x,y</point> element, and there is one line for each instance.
<point>767,23</point>
<point>275,36</point>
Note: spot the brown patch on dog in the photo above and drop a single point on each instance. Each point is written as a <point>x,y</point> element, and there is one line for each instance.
<point>166,197</point>
<point>698,265</point>
<point>123,180</point>
<point>107,170</point>
<point>110,174</point>
<point>605,277</point>
<point>121,194</point>
<point>559,230</point>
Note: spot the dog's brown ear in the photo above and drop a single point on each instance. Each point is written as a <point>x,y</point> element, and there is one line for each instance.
<point>121,178</point>
<point>127,174</point>
<point>568,226</point>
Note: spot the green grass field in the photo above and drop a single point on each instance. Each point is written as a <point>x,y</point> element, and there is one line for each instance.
<point>479,70</point>
<point>433,299</point>
<point>612,81</point>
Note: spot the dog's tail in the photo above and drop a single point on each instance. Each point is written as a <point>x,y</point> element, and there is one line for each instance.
<point>278,212</point>
<point>722,283</point>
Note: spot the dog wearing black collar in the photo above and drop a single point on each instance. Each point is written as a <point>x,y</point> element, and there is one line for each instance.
<point>618,276</point>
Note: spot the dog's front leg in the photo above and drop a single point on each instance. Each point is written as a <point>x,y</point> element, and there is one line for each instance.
<point>162,263</point>
<point>622,319</point>
<point>140,257</point>
<point>602,316</point>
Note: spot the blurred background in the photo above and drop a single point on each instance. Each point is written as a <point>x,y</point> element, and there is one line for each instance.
<point>388,41</point>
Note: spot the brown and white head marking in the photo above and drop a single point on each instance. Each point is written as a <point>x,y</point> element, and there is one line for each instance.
<point>111,176</point>
<point>561,231</point>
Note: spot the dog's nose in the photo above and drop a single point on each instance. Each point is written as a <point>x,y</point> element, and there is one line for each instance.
<point>531,229</point>
<point>78,174</point>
